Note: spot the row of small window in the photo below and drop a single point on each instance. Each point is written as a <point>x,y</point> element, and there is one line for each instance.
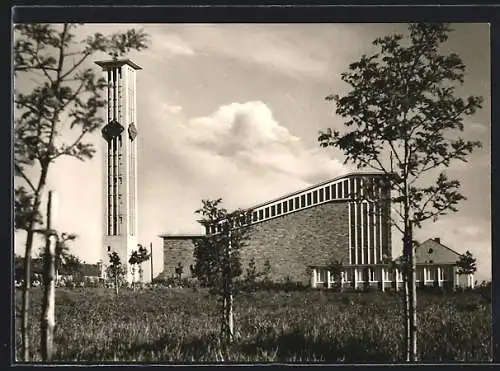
<point>332,192</point>
<point>362,274</point>
<point>430,274</point>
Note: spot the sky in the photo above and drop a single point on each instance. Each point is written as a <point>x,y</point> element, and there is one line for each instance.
<point>234,111</point>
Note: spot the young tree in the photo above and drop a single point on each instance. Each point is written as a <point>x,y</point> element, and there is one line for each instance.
<point>403,111</point>
<point>466,264</point>
<point>251,274</point>
<point>133,261</point>
<point>178,272</point>
<point>266,271</point>
<point>205,269</point>
<point>72,266</point>
<point>63,96</point>
<point>115,270</point>
<point>142,256</point>
<point>61,253</point>
<point>224,265</point>
<point>55,247</point>
<point>336,269</point>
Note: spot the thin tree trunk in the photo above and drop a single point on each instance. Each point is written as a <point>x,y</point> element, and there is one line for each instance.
<point>407,315</point>
<point>413,304</point>
<point>151,257</point>
<point>229,293</point>
<point>116,284</point>
<point>27,264</point>
<point>141,276</point>
<point>26,295</point>
<point>223,317</point>
<point>227,297</point>
<point>48,305</point>
<point>133,276</point>
<point>30,233</point>
<point>230,317</point>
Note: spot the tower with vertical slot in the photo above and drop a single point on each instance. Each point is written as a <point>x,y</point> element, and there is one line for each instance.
<point>120,225</point>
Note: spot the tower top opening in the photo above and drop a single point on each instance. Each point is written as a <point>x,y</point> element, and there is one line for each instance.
<point>113,63</point>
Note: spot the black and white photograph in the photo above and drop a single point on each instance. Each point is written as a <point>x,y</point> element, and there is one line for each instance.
<point>252,193</point>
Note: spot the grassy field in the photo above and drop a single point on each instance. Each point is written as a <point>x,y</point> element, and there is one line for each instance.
<point>180,325</point>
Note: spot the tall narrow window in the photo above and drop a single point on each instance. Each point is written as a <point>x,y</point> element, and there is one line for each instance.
<point>303,201</point>
<point>309,199</point>
<point>261,214</point>
<point>315,197</point>
<point>365,231</point>
<point>290,204</point>
<point>254,216</point>
<point>371,234</point>
<point>358,188</point>
<point>278,211</point>
<point>321,198</point>
<point>358,231</point>
<point>297,204</point>
<point>334,191</point>
<point>353,231</point>
<point>273,210</point>
<point>267,212</point>
<point>327,193</point>
<point>285,207</point>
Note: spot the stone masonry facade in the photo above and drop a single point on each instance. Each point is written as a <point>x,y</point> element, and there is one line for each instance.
<point>313,236</point>
<point>177,250</point>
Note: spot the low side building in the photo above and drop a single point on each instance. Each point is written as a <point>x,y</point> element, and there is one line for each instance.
<point>436,266</point>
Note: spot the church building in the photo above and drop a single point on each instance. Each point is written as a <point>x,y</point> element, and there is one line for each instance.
<point>343,221</point>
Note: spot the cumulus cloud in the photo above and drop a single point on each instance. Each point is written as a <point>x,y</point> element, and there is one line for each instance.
<point>248,135</point>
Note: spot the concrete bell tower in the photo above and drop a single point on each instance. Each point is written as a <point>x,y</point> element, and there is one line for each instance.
<point>120,225</point>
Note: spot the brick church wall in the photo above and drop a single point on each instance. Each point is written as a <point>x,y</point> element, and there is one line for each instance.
<point>177,250</point>
<point>313,236</point>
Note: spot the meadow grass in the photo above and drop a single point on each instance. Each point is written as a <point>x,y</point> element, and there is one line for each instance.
<point>181,325</point>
